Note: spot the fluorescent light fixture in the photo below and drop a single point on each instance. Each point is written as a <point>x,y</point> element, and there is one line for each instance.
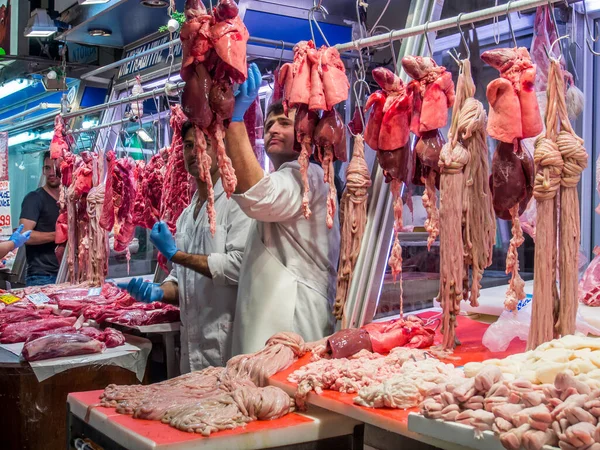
<point>28,136</point>
<point>144,136</point>
<point>161,83</point>
<point>92,2</point>
<point>40,24</point>
<point>87,124</point>
<point>13,86</point>
<point>21,138</point>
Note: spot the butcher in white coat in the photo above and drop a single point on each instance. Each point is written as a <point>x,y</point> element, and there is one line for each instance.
<point>204,280</point>
<point>288,276</point>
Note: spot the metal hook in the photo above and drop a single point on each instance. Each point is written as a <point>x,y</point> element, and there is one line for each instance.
<point>358,98</point>
<point>311,19</point>
<point>587,25</point>
<point>281,54</point>
<point>427,38</point>
<point>512,32</point>
<point>462,37</point>
<point>394,58</point>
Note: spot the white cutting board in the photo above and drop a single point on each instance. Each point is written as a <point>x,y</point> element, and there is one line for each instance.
<point>451,433</point>
<point>318,424</point>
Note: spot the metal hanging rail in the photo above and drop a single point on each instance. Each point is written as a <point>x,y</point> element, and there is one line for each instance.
<point>444,24</point>
<point>29,111</point>
<point>123,101</point>
<point>159,48</point>
<point>132,119</point>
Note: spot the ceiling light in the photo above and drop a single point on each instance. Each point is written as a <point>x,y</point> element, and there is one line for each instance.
<point>21,138</point>
<point>29,136</point>
<point>144,136</point>
<point>40,24</point>
<point>87,124</point>
<point>99,32</point>
<point>13,86</point>
<point>92,2</point>
<point>154,3</point>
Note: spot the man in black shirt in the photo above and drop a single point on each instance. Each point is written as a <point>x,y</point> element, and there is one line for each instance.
<point>39,213</point>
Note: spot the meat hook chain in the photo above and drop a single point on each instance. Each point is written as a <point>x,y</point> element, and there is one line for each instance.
<point>594,37</point>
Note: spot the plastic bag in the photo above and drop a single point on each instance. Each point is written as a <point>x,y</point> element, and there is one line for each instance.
<point>511,325</point>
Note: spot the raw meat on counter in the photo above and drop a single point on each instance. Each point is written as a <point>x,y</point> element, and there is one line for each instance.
<point>399,379</point>
<point>589,285</point>
<point>59,345</point>
<point>549,396</point>
<point>19,332</point>
<point>215,398</point>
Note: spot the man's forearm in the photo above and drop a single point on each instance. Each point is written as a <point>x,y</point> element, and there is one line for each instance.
<point>247,168</point>
<point>41,237</point>
<point>6,247</point>
<point>171,292</point>
<point>197,263</point>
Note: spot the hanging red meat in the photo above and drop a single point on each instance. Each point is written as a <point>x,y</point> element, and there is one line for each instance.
<point>176,184</point>
<point>214,57</point>
<point>117,212</point>
<point>316,80</point>
<point>387,129</point>
<point>61,141</point>
<point>433,93</point>
<point>253,119</point>
<point>514,115</point>
<point>330,141</point>
<point>149,181</point>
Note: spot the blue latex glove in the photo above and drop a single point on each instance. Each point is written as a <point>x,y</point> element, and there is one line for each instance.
<point>163,240</point>
<point>247,93</point>
<point>19,238</point>
<point>143,291</point>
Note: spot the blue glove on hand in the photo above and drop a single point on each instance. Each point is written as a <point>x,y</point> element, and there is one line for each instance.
<point>247,93</point>
<point>163,240</point>
<point>143,291</point>
<point>19,239</point>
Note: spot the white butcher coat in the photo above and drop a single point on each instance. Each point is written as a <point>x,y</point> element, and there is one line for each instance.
<point>208,305</point>
<point>288,276</point>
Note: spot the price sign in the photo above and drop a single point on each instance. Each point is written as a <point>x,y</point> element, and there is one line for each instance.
<point>94,291</point>
<point>38,299</point>
<point>7,299</point>
<point>5,223</point>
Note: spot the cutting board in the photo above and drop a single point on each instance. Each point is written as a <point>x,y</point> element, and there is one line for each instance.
<point>469,333</point>
<point>455,433</point>
<point>135,434</point>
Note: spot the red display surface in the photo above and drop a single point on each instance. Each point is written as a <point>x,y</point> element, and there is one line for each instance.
<point>469,333</point>
<point>163,434</point>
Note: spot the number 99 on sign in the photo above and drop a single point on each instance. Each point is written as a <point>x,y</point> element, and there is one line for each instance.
<point>4,220</point>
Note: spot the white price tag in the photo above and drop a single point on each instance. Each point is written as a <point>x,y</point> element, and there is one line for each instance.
<point>95,291</point>
<point>38,299</point>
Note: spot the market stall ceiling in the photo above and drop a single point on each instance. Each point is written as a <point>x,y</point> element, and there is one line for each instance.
<point>129,21</point>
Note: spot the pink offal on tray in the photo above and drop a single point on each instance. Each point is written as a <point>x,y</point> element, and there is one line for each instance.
<point>163,434</point>
<point>469,333</point>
